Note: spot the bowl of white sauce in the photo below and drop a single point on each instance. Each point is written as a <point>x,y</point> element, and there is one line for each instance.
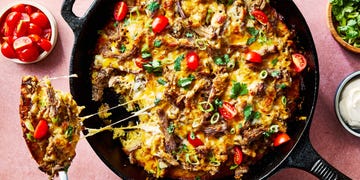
<point>347,103</point>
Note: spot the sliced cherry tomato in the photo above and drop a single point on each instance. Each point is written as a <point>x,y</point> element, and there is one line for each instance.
<point>40,19</point>
<point>22,43</point>
<point>159,24</point>
<point>25,17</point>
<point>7,30</point>
<point>35,29</point>
<point>41,129</point>
<point>139,61</point>
<point>193,140</point>
<point>13,18</point>
<point>29,9</point>
<point>260,16</point>
<point>227,110</point>
<point>238,155</point>
<point>299,61</point>
<point>34,37</point>
<point>7,50</point>
<point>28,54</point>
<point>120,11</point>
<point>192,60</point>
<point>47,33</point>
<point>18,8</point>
<point>45,44</point>
<point>253,57</point>
<point>280,139</point>
<point>22,28</point>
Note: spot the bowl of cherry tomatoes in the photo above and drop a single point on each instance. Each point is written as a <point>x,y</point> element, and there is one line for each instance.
<point>28,32</point>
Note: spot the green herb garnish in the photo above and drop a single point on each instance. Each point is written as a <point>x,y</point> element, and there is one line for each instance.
<point>153,6</point>
<point>238,89</point>
<point>157,43</point>
<point>185,82</point>
<point>177,65</point>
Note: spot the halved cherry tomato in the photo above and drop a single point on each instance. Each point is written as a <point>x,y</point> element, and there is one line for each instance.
<point>22,43</point>
<point>227,110</point>
<point>299,61</point>
<point>193,140</point>
<point>40,19</point>
<point>281,138</point>
<point>192,60</point>
<point>139,61</point>
<point>18,8</point>
<point>260,16</point>
<point>159,23</point>
<point>29,54</point>
<point>29,9</point>
<point>120,11</point>
<point>22,28</point>
<point>12,19</point>
<point>238,155</point>
<point>34,29</point>
<point>47,33</point>
<point>34,37</point>
<point>253,57</point>
<point>7,50</point>
<point>45,44</point>
<point>25,17</point>
<point>41,129</point>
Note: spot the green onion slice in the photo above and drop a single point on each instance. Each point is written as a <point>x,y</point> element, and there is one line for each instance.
<point>215,118</point>
<point>205,106</point>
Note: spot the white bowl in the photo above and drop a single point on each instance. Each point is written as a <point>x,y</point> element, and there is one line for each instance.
<point>53,25</point>
<point>338,97</point>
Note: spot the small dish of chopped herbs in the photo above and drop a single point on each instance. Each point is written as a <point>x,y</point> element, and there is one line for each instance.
<point>344,23</point>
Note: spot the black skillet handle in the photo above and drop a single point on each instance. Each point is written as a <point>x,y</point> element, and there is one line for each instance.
<point>74,21</point>
<point>305,157</point>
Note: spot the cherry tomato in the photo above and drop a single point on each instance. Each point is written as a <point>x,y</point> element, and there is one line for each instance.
<point>40,19</point>
<point>34,37</point>
<point>28,54</point>
<point>34,29</point>
<point>22,43</point>
<point>7,50</point>
<point>120,11</point>
<point>238,155</point>
<point>18,8</point>
<point>139,61</point>
<point>22,28</point>
<point>192,60</point>
<point>260,16</point>
<point>47,33</point>
<point>159,23</point>
<point>281,138</point>
<point>227,110</point>
<point>45,44</point>
<point>29,9</point>
<point>299,61</point>
<point>41,129</point>
<point>13,18</point>
<point>25,17</point>
<point>253,57</point>
<point>193,140</point>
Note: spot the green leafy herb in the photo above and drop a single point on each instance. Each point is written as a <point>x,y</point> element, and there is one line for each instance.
<point>161,81</point>
<point>145,54</point>
<point>69,132</point>
<point>171,128</point>
<point>250,114</point>
<point>157,43</point>
<point>253,32</point>
<point>274,61</point>
<point>157,101</point>
<point>122,48</point>
<point>218,102</point>
<point>153,67</point>
<point>189,35</point>
<point>177,64</point>
<point>222,60</point>
<point>153,6</point>
<point>238,89</point>
<point>185,82</point>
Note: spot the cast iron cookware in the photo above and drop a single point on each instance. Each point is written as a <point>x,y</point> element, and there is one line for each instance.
<point>298,153</point>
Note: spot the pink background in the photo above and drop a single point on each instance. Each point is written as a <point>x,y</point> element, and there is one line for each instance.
<point>331,141</point>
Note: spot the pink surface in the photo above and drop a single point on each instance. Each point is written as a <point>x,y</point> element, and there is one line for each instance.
<point>331,141</point>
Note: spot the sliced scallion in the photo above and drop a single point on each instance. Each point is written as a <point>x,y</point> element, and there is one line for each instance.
<point>263,74</point>
<point>205,106</point>
<point>215,118</point>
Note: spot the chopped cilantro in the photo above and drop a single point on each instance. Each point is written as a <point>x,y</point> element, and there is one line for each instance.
<point>218,102</point>
<point>145,54</point>
<point>274,61</point>
<point>153,6</point>
<point>122,48</point>
<point>157,43</point>
<point>250,114</point>
<point>177,65</point>
<point>157,101</point>
<point>185,82</point>
<point>189,35</point>
<point>153,67</point>
<point>161,81</point>
<point>171,128</point>
<point>238,89</point>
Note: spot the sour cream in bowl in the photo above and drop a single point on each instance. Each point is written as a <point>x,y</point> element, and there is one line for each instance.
<point>347,103</point>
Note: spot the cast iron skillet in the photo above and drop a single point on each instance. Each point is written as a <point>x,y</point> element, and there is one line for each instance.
<point>298,153</point>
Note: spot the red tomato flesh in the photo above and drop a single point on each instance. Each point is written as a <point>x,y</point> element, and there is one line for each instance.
<point>139,61</point>
<point>18,8</point>
<point>22,43</point>
<point>299,61</point>
<point>280,139</point>
<point>29,54</point>
<point>238,155</point>
<point>260,16</point>
<point>7,50</point>
<point>227,110</point>
<point>35,29</point>
<point>253,57</point>
<point>192,60</point>
<point>120,11</point>
<point>159,24</point>
<point>41,129</point>
<point>45,44</point>
<point>40,19</point>
<point>193,140</point>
